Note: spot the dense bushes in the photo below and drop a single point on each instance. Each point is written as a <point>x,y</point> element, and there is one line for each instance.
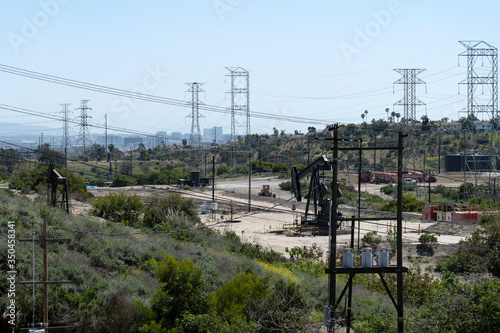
<point>26,180</point>
<point>166,213</point>
<point>478,253</point>
<point>409,205</point>
<point>182,290</point>
<point>287,186</point>
<point>118,207</point>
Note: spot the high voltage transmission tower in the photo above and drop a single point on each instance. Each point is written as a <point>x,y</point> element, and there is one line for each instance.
<point>65,143</point>
<point>482,105</point>
<point>410,102</point>
<point>84,135</point>
<point>195,137</point>
<point>240,106</point>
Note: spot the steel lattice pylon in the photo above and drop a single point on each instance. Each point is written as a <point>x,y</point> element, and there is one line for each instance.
<point>84,135</point>
<point>240,105</point>
<point>410,102</point>
<point>195,136</point>
<point>65,143</point>
<point>482,74</point>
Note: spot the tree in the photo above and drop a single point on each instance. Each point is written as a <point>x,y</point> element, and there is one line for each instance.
<point>275,131</point>
<point>393,115</point>
<point>222,170</point>
<point>97,152</point>
<point>8,159</point>
<point>427,244</point>
<point>48,155</point>
<point>280,167</point>
<point>311,129</point>
<point>425,123</point>
<point>184,142</point>
<point>111,148</point>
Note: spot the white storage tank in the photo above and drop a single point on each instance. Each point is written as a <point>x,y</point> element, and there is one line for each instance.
<point>366,257</point>
<point>383,257</point>
<point>347,258</point>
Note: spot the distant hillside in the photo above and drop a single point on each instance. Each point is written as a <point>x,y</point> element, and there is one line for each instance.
<point>13,129</point>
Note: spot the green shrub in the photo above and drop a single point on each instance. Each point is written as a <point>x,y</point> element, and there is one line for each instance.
<point>122,180</point>
<point>313,252</point>
<point>240,295</point>
<point>27,180</point>
<point>182,290</point>
<point>208,323</point>
<point>280,167</point>
<point>409,205</point>
<point>428,240</point>
<point>222,170</point>
<point>387,189</point>
<point>371,239</point>
<point>174,211</point>
<point>375,323</point>
<point>287,186</point>
<point>118,207</point>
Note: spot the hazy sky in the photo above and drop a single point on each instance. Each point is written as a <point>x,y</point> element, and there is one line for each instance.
<point>327,60</point>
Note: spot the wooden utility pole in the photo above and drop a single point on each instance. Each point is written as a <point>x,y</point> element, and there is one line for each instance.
<point>260,153</point>
<point>439,154</point>
<point>45,274</point>
<point>213,187</point>
<point>429,178</point>
<point>249,181</point>
<point>382,268</point>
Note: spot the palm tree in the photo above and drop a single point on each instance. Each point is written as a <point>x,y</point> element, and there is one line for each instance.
<point>387,111</point>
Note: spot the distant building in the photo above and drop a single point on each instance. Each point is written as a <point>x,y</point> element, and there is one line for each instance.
<point>450,213</point>
<point>160,136</point>
<point>112,139</point>
<point>483,126</point>
<point>226,138</point>
<point>175,138</point>
<point>131,141</point>
<point>449,127</point>
<point>211,134</point>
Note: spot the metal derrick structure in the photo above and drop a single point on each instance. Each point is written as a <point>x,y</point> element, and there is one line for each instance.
<point>195,136</point>
<point>240,107</point>
<point>84,135</point>
<point>335,220</point>
<point>482,104</point>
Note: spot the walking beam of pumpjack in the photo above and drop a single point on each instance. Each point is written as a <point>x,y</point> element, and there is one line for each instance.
<point>317,193</point>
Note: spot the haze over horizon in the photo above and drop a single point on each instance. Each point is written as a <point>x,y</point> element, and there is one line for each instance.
<point>324,60</point>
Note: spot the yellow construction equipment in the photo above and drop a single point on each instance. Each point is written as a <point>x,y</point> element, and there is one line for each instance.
<point>266,191</point>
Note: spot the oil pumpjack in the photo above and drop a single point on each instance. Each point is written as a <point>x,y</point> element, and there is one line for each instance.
<point>319,214</point>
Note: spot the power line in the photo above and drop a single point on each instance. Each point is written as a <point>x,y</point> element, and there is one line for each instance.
<point>145,97</point>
